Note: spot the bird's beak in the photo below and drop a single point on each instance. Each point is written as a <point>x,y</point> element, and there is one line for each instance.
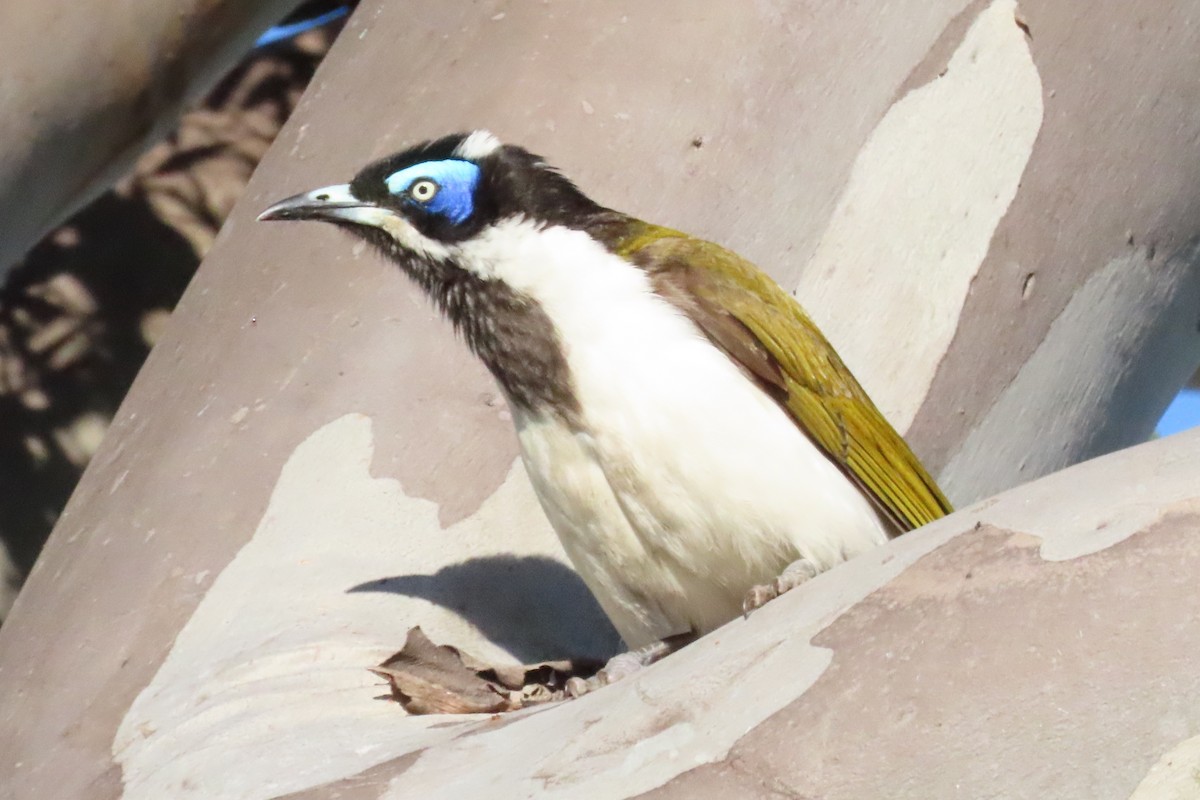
<point>328,203</point>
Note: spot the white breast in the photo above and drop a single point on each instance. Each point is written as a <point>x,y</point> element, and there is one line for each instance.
<point>687,484</point>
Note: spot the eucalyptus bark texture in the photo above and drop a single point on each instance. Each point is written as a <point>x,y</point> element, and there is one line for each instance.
<point>85,90</point>
<point>991,209</point>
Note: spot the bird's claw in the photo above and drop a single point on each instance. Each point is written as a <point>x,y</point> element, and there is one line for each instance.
<point>625,664</point>
<point>799,571</point>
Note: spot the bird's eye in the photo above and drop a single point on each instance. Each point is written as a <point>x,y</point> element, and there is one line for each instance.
<point>423,190</point>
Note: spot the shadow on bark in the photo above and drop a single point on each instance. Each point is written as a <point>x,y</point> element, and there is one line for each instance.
<point>76,322</point>
<point>79,314</point>
<point>492,591</point>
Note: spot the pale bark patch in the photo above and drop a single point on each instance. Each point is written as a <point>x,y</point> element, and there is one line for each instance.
<point>274,660</point>
<point>915,221</point>
<point>1176,776</point>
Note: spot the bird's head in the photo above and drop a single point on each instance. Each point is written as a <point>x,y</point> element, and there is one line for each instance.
<point>479,226</point>
<point>421,205</point>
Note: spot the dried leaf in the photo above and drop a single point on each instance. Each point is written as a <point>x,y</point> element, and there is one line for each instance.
<point>427,678</point>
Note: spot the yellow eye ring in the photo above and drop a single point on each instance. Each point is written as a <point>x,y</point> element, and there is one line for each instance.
<point>423,190</point>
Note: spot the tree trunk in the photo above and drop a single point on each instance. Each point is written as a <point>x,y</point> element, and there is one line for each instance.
<point>85,90</point>
<point>991,210</point>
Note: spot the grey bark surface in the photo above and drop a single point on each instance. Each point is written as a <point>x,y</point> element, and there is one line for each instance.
<point>80,312</point>
<point>84,91</point>
<point>309,463</point>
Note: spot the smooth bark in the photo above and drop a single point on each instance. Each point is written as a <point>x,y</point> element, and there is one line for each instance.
<point>994,223</point>
<point>84,90</point>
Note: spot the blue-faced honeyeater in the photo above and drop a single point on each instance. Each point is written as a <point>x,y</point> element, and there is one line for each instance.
<point>689,431</point>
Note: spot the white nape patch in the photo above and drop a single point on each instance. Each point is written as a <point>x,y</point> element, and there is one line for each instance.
<point>917,216</point>
<point>689,484</point>
<point>479,144</point>
<point>273,660</point>
<point>397,227</point>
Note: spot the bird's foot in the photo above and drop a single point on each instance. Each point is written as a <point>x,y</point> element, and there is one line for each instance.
<point>626,664</point>
<point>799,571</point>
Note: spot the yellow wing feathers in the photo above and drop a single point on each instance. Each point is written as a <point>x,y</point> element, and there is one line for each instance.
<point>770,336</point>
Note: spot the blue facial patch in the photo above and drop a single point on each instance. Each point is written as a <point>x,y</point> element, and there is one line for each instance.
<point>456,182</point>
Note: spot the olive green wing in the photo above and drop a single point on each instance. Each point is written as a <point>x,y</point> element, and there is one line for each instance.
<point>766,332</point>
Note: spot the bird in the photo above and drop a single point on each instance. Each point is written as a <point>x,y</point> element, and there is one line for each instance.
<point>695,441</point>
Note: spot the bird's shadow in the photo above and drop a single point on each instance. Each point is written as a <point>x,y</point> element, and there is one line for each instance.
<point>534,607</point>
